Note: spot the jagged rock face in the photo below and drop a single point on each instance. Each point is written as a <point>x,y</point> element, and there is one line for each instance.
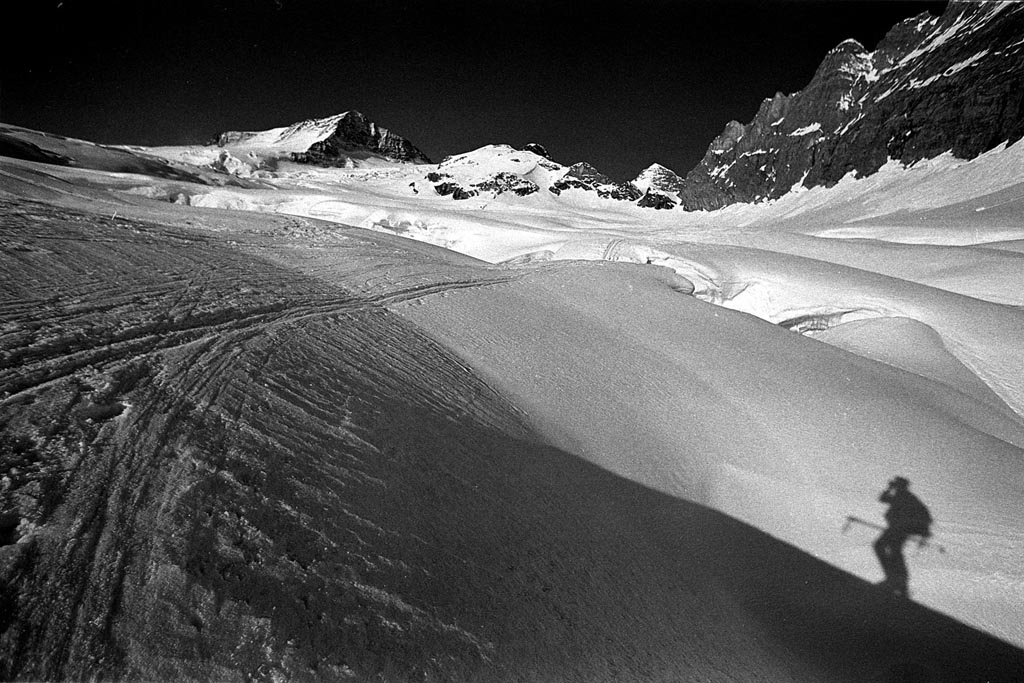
<point>583,176</point>
<point>934,84</point>
<point>656,200</point>
<point>357,134</point>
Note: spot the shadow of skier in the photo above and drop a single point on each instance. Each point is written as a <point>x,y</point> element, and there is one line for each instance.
<point>907,516</point>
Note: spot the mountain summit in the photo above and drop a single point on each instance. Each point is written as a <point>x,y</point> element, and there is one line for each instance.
<point>934,84</point>
<point>352,134</point>
<point>330,141</point>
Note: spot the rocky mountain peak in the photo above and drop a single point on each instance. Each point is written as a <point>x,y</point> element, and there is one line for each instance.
<point>354,135</point>
<point>845,59</point>
<point>659,178</point>
<point>933,85</point>
<point>588,173</point>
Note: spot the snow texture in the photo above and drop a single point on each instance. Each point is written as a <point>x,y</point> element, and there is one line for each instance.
<point>660,406</point>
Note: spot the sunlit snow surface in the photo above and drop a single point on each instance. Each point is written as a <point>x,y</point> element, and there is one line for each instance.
<point>778,362</point>
<point>919,269</point>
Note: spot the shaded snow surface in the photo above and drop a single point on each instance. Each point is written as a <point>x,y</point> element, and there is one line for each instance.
<point>279,438</point>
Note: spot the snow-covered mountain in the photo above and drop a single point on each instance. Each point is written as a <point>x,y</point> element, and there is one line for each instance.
<point>934,84</point>
<point>330,141</point>
<point>348,140</point>
<point>657,177</point>
<point>352,135</point>
<point>500,169</point>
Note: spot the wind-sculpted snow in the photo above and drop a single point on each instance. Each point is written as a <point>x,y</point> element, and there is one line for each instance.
<point>910,345</point>
<point>262,433</point>
<point>766,425</point>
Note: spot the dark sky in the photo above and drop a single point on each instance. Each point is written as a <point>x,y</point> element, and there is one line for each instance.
<point>620,84</point>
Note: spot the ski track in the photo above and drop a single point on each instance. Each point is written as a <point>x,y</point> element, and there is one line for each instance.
<point>168,300</point>
<point>291,453</point>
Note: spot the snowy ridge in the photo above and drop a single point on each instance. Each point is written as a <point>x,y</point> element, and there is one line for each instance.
<point>478,165</point>
<point>298,137</point>
<point>348,140</point>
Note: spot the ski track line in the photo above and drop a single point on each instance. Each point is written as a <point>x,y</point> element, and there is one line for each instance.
<point>18,377</point>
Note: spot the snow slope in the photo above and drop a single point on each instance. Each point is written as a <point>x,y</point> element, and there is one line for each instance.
<point>648,426</point>
<point>783,432</point>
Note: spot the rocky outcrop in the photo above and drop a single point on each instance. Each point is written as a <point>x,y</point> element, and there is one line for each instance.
<point>507,182</point>
<point>953,83</point>
<point>355,135</point>
<point>537,149</point>
<point>454,190</point>
<point>497,183</point>
<point>625,192</point>
<point>587,173</point>
<point>583,176</point>
<point>653,199</point>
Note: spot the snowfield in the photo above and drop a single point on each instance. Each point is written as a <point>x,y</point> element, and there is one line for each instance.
<point>618,443</point>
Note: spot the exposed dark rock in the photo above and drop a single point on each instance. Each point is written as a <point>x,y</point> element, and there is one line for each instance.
<point>583,176</point>
<point>499,183</point>
<point>461,193</point>
<point>951,83</point>
<point>9,522</point>
<point>627,192</point>
<point>455,190</point>
<point>445,189</point>
<point>568,183</point>
<point>588,174</point>
<point>356,135</point>
<point>656,200</point>
<point>536,149</point>
<point>507,182</point>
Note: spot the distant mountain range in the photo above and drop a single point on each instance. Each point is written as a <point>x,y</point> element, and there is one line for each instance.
<point>933,84</point>
<point>953,83</point>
